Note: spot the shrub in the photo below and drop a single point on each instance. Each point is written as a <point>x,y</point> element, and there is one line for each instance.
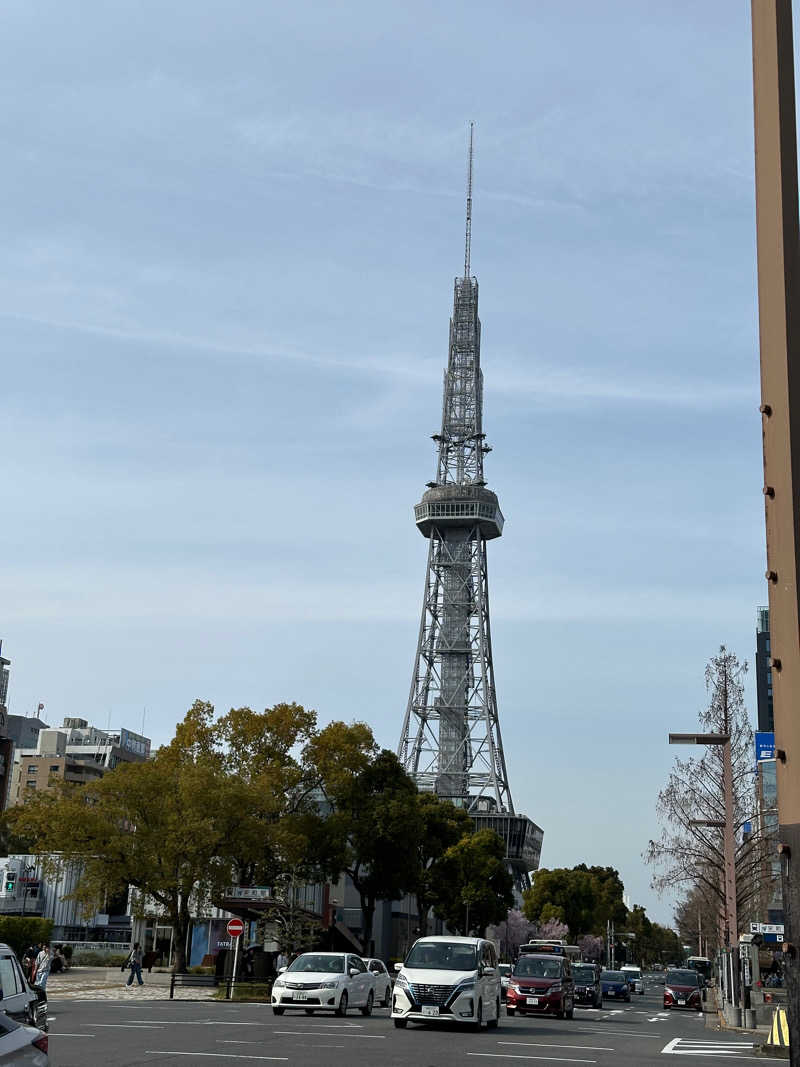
<point>98,959</point>
<point>19,932</point>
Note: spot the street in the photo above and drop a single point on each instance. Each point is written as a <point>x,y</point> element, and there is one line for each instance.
<point>124,1033</point>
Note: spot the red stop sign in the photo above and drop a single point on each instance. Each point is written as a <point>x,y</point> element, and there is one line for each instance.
<point>235,927</point>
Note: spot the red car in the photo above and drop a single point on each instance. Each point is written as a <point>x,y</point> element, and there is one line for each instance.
<point>682,990</point>
<point>541,985</point>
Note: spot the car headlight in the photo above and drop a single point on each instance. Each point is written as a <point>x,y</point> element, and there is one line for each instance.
<point>555,988</point>
<point>401,980</point>
<point>278,983</point>
<point>328,985</point>
<point>463,987</point>
<point>669,991</point>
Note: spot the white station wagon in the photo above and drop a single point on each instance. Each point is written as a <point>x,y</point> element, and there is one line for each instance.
<point>324,981</point>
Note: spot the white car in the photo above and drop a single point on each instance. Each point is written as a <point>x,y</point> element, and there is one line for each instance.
<point>324,981</point>
<point>633,976</point>
<point>383,982</point>
<point>22,1046</point>
<point>453,979</point>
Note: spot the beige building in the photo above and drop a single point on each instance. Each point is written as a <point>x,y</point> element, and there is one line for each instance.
<point>36,770</point>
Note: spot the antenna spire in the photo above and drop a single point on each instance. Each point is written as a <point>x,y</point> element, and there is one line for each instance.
<point>468,240</point>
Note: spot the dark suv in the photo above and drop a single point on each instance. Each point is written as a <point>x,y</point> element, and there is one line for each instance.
<point>588,989</point>
<point>541,985</point>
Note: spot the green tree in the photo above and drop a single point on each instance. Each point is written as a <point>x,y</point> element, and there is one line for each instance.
<point>168,827</point>
<point>441,825</point>
<point>375,826</point>
<point>21,932</point>
<point>471,883</point>
<point>572,896</point>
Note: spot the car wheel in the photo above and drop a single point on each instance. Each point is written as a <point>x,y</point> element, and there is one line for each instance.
<point>478,1024</point>
<point>367,1009</point>
<point>342,1008</point>
<point>387,997</point>
<point>511,1011</point>
<point>492,1023</point>
<point>278,1011</point>
<point>401,1024</point>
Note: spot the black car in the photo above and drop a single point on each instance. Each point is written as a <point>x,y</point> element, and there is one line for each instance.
<point>588,988</point>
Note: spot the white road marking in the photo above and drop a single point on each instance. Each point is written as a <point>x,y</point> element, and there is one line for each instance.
<point>681,1046</point>
<point>71,1035</point>
<point>514,1056</point>
<point>543,1044</point>
<point>316,1033</point>
<point>125,1026</point>
<point>218,1055</point>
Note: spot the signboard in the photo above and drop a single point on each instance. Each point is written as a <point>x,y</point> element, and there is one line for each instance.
<point>135,743</point>
<point>766,928</point>
<point>765,746</point>
<point>235,927</point>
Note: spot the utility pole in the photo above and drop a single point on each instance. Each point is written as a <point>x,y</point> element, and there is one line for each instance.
<point>778,243</point>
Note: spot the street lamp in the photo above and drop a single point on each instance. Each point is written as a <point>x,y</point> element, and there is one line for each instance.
<point>731,923</point>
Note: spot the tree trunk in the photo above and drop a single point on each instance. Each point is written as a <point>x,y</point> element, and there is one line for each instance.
<point>367,921</point>
<point>422,912</point>
<point>180,924</point>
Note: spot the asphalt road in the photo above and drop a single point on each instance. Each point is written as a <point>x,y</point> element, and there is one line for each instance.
<point>125,1033</point>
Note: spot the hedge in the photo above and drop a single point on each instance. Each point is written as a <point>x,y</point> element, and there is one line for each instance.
<point>20,933</point>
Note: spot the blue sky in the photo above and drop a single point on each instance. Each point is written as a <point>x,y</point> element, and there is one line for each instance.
<point>228,242</point>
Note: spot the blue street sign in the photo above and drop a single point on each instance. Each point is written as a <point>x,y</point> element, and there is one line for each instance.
<point>765,746</point>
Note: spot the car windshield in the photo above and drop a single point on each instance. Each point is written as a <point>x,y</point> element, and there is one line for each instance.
<point>681,978</point>
<point>533,967</point>
<point>613,976</point>
<point>583,974</point>
<point>311,961</point>
<point>629,975</point>
<point>442,956</point>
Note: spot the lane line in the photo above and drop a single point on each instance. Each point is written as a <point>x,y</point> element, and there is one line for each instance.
<point>51,1034</point>
<point>216,1055</point>
<point>514,1056</point>
<point>316,1033</point>
<point>545,1044</point>
<point>125,1026</point>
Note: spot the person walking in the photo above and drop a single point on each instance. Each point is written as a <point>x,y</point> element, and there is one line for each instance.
<point>135,964</point>
<point>41,966</point>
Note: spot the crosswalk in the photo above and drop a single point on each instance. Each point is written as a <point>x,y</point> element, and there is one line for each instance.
<point>684,1046</point>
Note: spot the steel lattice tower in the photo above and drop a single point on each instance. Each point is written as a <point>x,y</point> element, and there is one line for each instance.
<point>451,741</point>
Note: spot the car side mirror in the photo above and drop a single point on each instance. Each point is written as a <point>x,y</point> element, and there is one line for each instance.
<point>353,972</point>
<point>281,970</point>
<point>398,966</point>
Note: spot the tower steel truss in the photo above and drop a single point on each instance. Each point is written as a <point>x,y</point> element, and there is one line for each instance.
<point>451,740</point>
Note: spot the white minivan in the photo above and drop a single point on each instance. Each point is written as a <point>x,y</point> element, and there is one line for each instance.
<point>452,979</point>
<point>633,976</point>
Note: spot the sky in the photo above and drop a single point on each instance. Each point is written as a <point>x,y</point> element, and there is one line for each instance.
<point>228,241</point>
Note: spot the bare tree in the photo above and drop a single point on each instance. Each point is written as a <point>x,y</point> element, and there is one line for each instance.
<point>688,855</point>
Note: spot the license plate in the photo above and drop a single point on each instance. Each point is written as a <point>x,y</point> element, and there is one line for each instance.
<point>681,1000</point>
<point>531,1000</point>
<point>430,1009</point>
<point>299,996</point>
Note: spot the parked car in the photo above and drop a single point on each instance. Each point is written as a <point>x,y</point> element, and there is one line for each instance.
<point>588,990</point>
<point>504,970</point>
<point>448,978</point>
<point>541,985</point>
<point>21,1001</point>
<point>383,982</point>
<point>614,985</point>
<point>324,981</point>
<point>633,976</point>
<point>20,1045</point>
<point>682,990</point>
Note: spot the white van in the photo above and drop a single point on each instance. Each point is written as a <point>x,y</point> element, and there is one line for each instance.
<point>453,979</point>
<point>633,976</point>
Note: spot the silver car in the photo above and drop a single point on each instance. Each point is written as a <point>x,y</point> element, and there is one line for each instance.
<point>22,1046</point>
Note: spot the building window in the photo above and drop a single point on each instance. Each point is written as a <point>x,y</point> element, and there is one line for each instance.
<point>55,766</point>
<point>31,784</point>
<point>32,768</point>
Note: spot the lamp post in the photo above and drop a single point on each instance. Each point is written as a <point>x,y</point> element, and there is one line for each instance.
<point>729,846</point>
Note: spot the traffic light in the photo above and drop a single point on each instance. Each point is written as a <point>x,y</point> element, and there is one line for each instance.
<point>11,880</point>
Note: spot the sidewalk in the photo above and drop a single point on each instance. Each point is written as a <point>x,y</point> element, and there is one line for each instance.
<point>109,983</point>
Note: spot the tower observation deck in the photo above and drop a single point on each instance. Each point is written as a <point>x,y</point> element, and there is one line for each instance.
<point>451,742</point>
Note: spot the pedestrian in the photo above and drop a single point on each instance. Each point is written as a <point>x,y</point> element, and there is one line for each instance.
<point>281,961</point>
<point>135,964</point>
<point>41,967</point>
<point>27,962</point>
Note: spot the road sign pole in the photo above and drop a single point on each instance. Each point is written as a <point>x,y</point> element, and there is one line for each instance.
<point>235,962</point>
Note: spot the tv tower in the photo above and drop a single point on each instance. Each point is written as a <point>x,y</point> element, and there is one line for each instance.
<point>451,743</point>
